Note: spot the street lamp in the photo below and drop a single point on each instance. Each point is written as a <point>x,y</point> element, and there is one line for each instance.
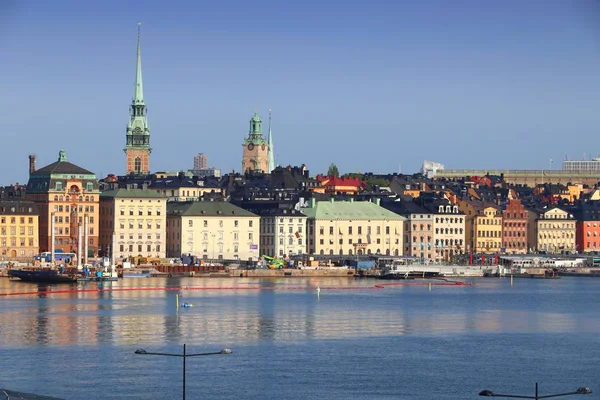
<point>581,390</point>
<point>184,356</point>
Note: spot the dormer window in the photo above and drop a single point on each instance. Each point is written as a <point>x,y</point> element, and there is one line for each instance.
<point>59,186</point>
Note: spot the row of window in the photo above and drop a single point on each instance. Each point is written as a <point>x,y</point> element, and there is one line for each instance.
<point>359,230</point>
<point>515,224</point>
<point>75,198</point>
<point>13,231</point>
<point>489,233</point>
<point>89,186</point>
<point>487,221</point>
<point>271,229</point>
<point>350,252</point>
<point>59,230</point>
<point>488,245</point>
<point>236,223</point>
<point>68,241</point>
<point>449,220</point>
<point>140,224</point>
<point>141,211</point>
<point>13,242</point>
<point>139,248</point>
<point>514,234</point>
<point>350,241</point>
<point>270,241</point>
<point>554,236</point>
<point>13,220</point>
<point>59,219</point>
<point>449,231</point>
<point>60,208</point>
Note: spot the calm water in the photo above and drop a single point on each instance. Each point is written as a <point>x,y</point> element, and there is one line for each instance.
<point>355,341</point>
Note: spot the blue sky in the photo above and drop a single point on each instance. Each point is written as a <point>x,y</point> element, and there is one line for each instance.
<point>370,85</point>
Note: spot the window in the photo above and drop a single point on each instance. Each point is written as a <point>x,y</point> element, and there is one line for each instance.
<point>59,186</point>
<point>235,223</point>
<point>250,236</point>
<point>89,186</point>
<point>331,230</point>
<point>130,224</point>
<point>122,211</point>
<point>220,223</point>
<point>205,223</point>
<point>250,223</point>
<point>191,223</point>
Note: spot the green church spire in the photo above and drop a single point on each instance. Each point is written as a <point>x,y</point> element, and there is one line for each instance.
<point>138,132</point>
<point>138,87</point>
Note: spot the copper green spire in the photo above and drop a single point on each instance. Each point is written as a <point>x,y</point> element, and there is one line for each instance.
<point>138,131</point>
<point>138,87</point>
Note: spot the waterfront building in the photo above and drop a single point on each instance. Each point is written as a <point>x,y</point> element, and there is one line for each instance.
<point>19,235</point>
<point>418,228</point>
<point>200,161</point>
<point>483,226</point>
<point>587,215</point>
<point>137,139</point>
<point>133,223</point>
<point>449,229</point>
<point>71,194</point>
<point>255,156</point>
<point>212,229</point>
<point>514,228</point>
<point>353,227</point>
<point>282,232</point>
<point>555,231</point>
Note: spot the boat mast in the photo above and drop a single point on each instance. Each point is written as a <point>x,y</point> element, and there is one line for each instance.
<point>85,239</point>
<point>52,217</point>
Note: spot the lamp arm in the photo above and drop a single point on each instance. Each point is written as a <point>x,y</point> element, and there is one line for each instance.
<point>204,354</point>
<point>558,395</point>
<point>163,354</point>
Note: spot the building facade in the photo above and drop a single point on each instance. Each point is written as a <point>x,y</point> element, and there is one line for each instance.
<point>514,228</point>
<point>255,155</point>
<point>200,161</point>
<point>353,228</point>
<point>587,234</point>
<point>449,230</point>
<point>214,230</point>
<point>19,236</point>
<point>137,139</point>
<point>282,232</point>
<point>133,224</point>
<point>70,194</point>
<point>556,230</point>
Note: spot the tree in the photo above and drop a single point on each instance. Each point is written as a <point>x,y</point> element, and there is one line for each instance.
<point>333,171</point>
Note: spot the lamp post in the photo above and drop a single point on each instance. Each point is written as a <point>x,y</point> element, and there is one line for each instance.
<point>581,390</point>
<point>184,356</point>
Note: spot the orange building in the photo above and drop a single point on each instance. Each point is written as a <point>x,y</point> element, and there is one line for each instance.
<point>333,185</point>
<point>71,194</point>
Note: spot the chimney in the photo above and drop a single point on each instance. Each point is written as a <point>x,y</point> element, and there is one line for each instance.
<point>31,163</point>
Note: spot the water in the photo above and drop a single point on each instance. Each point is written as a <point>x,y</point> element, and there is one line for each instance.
<point>355,341</point>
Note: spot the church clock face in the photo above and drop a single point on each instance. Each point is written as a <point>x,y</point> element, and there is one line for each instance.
<point>137,130</point>
<point>250,146</point>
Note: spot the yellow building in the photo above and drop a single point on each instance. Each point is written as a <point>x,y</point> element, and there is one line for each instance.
<point>18,230</point>
<point>483,226</point>
<point>212,230</point>
<point>137,218</point>
<point>353,227</point>
<point>555,231</point>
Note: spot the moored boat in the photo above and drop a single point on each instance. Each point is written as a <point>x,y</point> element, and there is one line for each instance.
<point>43,275</point>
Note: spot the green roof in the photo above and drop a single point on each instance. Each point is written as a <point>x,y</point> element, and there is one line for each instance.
<point>206,208</point>
<point>349,210</point>
<point>133,194</point>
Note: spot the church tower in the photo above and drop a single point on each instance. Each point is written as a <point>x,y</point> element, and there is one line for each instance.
<point>137,148</point>
<point>256,149</point>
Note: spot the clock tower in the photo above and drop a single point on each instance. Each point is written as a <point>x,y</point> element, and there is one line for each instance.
<point>137,146</point>
<point>255,157</point>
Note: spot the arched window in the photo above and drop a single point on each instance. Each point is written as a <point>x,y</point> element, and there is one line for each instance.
<point>137,165</point>
<point>87,198</point>
<point>360,252</point>
<point>56,198</point>
<point>60,198</point>
<point>67,198</point>
<point>396,252</point>
<point>350,252</point>
<point>331,252</point>
<point>387,252</point>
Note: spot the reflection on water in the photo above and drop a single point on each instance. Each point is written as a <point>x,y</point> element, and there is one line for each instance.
<point>253,310</point>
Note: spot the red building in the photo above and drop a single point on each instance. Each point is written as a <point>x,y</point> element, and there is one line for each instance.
<point>587,236</point>
<point>514,228</point>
